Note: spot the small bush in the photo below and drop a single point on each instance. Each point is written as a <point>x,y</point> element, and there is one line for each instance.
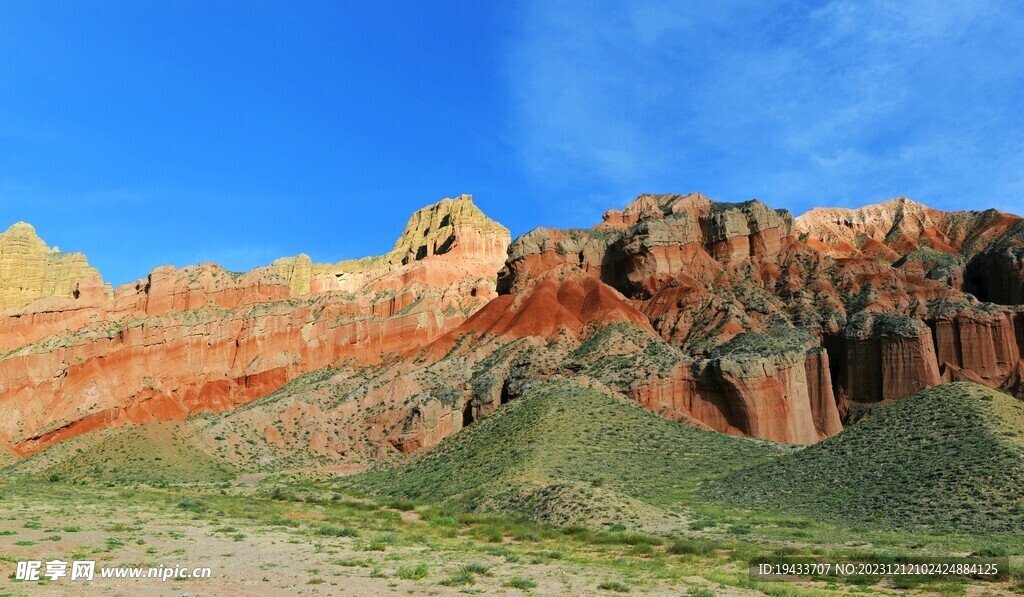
<point>991,552</point>
<point>404,505</point>
<point>193,506</point>
<point>375,546</point>
<point>613,586</point>
<point>413,572</point>
<point>518,582</point>
<point>353,563</point>
<point>475,569</point>
<point>697,547</point>
<point>461,579</point>
<point>700,525</point>
<point>504,552</point>
<point>331,531</point>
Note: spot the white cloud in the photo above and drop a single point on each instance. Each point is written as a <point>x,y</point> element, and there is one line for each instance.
<point>839,102</point>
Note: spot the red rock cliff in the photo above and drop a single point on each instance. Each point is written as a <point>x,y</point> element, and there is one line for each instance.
<point>201,338</point>
<point>730,316</point>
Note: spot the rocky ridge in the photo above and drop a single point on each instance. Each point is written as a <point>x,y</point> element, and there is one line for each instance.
<point>201,338</point>
<point>979,251</point>
<point>717,315</point>
<point>704,272</point>
<point>734,317</point>
<point>30,270</point>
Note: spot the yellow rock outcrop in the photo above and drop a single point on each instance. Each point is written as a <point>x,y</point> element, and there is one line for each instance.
<point>452,227</point>
<point>30,270</point>
<point>298,271</point>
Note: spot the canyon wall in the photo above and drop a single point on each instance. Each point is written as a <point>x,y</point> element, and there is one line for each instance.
<point>729,317</point>
<point>204,339</point>
<point>863,283</point>
<point>997,276</point>
<point>734,317</point>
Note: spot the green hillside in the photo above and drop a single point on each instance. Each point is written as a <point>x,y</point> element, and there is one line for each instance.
<point>565,454</point>
<point>154,453</point>
<point>950,458</point>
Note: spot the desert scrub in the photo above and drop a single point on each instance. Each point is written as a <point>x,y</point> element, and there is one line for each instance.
<point>950,457</point>
<point>416,572</point>
<point>566,438</point>
<point>333,531</point>
<point>521,583</point>
<point>461,579</point>
<point>475,569</point>
<point>700,547</point>
<point>614,586</point>
<point>783,340</point>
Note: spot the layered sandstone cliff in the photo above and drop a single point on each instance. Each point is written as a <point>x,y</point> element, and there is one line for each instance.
<point>717,315</point>
<point>30,270</point>
<point>729,316</point>
<point>708,274</point>
<point>997,273</point>
<point>901,226</point>
<point>204,339</point>
<point>981,252</point>
<point>755,385</point>
<point>880,357</point>
<point>453,232</point>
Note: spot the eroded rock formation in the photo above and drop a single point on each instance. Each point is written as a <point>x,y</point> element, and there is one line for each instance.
<point>730,316</point>
<point>707,276</point>
<point>30,270</point>
<point>204,339</point>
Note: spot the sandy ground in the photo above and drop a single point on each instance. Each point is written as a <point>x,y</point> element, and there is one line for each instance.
<point>252,558</point>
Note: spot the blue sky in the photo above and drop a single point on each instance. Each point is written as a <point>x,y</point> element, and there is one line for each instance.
<point>145,133</point>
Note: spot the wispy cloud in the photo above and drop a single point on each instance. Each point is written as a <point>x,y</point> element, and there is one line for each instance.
<point>836,102</point>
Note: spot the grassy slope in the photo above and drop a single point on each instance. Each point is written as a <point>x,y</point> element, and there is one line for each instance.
<point>949,458</point>
<point>7,457</point>
<point>565,454</point>
<point>153,453</point>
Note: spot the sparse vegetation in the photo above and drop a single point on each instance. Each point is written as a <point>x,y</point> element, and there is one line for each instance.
<point>579,455</point>
<point>155,454</point>
<point>416,572</point>
<point>636,503</point>
<point>518,582</point>
<point>614,586</point>
<point>950,457</point>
